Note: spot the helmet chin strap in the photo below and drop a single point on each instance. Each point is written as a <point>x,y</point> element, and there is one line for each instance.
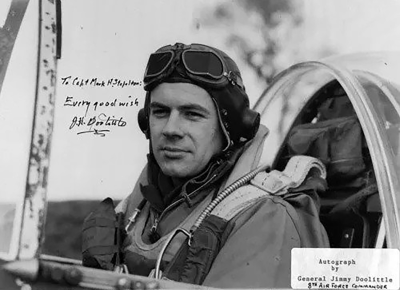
<point>223,129</point>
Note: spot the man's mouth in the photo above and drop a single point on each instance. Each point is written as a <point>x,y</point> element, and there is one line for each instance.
<point>172,149</point>
<point>173,152</point>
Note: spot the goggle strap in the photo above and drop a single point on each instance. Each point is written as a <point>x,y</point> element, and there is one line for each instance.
<point>221,122</point>
<point>234,79</point>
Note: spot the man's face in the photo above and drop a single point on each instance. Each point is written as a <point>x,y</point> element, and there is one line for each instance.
<point>184,128</point>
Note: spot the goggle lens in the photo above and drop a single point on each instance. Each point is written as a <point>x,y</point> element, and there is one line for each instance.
<point>158,62</point>
<point>203,63</point>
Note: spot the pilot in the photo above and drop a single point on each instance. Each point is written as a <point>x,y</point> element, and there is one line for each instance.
<point>187,219</point>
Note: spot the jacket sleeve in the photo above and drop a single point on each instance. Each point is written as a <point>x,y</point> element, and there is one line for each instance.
<point>257,253</point>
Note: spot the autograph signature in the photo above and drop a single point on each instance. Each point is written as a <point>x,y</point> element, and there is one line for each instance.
<point>95,131</point>
<point>97,123</point>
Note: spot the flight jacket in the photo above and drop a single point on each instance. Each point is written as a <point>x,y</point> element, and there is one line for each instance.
<point>254,248</point>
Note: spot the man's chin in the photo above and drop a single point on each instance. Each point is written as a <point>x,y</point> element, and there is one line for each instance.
<point>176,171</point>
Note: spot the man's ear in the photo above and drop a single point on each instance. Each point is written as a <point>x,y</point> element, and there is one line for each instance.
<point>143,117</point>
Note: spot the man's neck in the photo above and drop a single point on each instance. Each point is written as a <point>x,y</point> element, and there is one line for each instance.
<point>176,181</point>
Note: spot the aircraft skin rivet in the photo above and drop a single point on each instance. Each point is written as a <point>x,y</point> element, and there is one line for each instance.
<point>152,286</point>
<point>123,284</point>
<point>73,276</point>
<point>139,285</point>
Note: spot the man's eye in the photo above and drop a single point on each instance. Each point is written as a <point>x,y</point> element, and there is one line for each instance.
<point>192,114</point>
<point>159,112</point>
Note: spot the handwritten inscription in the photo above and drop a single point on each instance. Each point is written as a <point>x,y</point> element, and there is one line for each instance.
<point>100,120</point>
<point>100,123</point>
<point>71,102</point>
<point>97,82</point>
<point>98,114</point>
<point>91,124</point>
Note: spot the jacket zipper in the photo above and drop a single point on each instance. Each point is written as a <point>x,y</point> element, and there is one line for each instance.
<point>159,217</point>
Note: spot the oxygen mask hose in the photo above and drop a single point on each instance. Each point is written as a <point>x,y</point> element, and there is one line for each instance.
<point>226,192</point>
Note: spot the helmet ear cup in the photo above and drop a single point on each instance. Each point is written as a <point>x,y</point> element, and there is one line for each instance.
<point>143,117</point>
<point>251,123</point>
<point>143,121</point>
<point>239,120</point>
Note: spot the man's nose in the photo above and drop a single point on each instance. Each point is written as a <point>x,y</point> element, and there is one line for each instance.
<point>173,126</point>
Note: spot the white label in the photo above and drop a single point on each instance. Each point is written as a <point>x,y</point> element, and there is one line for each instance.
<point>345,268</point>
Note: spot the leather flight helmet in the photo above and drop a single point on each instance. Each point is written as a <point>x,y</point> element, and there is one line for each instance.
<point>238,122</point>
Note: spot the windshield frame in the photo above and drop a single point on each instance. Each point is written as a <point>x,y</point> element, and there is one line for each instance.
<point>28,228</point>
<point>35,204</point>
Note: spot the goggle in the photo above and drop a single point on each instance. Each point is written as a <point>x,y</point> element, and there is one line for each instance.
<point>201,63</point>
